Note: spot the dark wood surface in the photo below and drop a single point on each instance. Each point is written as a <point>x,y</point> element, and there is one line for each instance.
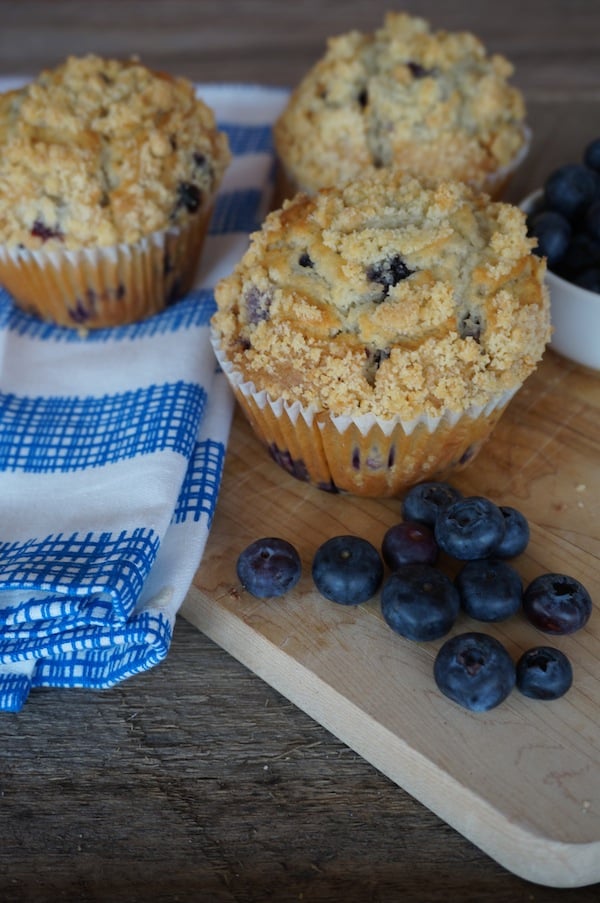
<point>197,781</point>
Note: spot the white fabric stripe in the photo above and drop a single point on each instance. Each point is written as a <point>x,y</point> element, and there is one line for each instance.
<point>245,172</point>
<point>124,494</point>
<point>222,252</point>
<point>140,363</point>
<point>262,104</point>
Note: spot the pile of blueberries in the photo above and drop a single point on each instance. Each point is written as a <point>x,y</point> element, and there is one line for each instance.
<point>566,220</point>
<point>421,602</point>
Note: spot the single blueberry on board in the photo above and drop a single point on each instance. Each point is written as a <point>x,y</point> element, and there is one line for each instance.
<point>516,533</point>
<point>470,528</point>
<point>474,670</point>
<point>419,602</point>
<point>544,673</point>
<point>347,570</point>
<point>423,502</point>
<point>269,567</point>
<point>409,543</point>
<point>557,604</point>
<point>490,589</point>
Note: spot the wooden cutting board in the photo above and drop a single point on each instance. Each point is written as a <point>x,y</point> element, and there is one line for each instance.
<point>522,781</point>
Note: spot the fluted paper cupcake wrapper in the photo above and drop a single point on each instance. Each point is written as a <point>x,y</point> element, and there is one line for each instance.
<point>106,286</point>
<point>365,455</point>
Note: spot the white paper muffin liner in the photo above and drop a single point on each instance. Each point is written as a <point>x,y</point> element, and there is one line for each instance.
<point>106,286</point>
<point>365,455</point>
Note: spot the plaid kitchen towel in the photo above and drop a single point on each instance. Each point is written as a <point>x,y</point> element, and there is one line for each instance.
<point>111,453</point>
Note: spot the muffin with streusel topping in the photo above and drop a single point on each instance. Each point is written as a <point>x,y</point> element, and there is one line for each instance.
<point>373,333</point>
<point>108,172</point>
<point>430,102</point>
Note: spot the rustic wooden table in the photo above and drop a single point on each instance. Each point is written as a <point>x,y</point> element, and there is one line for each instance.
<point>199,781</point>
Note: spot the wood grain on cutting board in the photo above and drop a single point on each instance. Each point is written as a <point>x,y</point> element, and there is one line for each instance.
<point>521,781</point>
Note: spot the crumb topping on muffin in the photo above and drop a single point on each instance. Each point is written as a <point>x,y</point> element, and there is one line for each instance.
<point>97,151</point>
<point>389,296</point>
<point>432,102</point>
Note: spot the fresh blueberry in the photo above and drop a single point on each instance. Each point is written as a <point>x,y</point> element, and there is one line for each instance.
<point>423,502</point>
<point>557,604</point>
<point>553,232</point>
<point>475,671</point>
<point>544,673</point>
<point>470,528</point>
<point>347,570</point>
<point>490,589</point>
<point>592,222</point>
<point>269,567</point>
<point>419,602</point>
<point>570,189</point>
<point>409,543</point>
<point>516,533</point>
<point>583,252</point>
<point>591,156</point>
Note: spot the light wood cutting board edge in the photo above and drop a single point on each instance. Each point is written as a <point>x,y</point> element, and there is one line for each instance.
<point>522,851</point>
<point>523,783</point>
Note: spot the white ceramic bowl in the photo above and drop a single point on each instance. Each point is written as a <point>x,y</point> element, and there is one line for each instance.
<point>575,313</point>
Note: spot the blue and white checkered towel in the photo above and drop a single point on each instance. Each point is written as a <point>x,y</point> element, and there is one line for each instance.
<point>111,454</point>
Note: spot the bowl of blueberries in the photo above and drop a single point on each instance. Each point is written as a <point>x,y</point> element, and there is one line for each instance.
<point>564,217</point>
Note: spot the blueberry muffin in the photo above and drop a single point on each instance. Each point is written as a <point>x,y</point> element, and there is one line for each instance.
<point>432,103</point>
<point>373,333</point>
<point>107,176</point>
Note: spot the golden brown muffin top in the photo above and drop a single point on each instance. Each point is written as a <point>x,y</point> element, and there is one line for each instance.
<point>433,103</point>
<point>97,151</point>
<point>387,296</point>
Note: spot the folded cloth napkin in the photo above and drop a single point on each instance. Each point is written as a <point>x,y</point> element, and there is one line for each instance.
<point>111,453</point>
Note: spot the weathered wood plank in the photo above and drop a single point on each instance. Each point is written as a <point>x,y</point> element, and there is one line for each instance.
<point>199,781</point>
